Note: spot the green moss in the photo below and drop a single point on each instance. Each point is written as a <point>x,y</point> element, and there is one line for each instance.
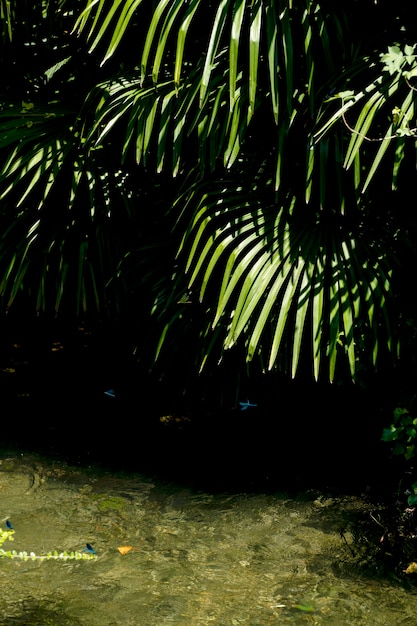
<point>113,502</point>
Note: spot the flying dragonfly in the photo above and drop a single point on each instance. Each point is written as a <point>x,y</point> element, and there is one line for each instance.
<point>245,405</point>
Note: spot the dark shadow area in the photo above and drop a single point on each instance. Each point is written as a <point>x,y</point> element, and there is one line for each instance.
<point>34,613</point>
<point>300,435</point>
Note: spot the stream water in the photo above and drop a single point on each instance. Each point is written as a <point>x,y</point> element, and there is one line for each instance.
<point>240,525</point>
<point>195,558</point>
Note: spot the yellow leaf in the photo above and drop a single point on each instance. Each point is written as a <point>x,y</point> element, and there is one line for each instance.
<point>411,569</point>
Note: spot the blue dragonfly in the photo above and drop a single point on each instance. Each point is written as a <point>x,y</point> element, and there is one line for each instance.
<point>110,393</point>
<point>245,405</point>
<point>89,548</point>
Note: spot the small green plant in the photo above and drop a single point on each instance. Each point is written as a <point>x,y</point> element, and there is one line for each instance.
<point>402,434</point>
<point>7,535</point>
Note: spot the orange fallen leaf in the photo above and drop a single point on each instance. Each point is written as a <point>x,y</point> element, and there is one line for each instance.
<point>124,549</point>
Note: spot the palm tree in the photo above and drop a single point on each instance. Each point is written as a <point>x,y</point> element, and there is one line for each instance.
<point>63,208</point>
<point>279,249</point>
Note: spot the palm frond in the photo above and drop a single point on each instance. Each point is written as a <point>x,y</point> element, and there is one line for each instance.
<point>52,246</point>
<point>243,38</point>
<point>284,284</point>
<point>224,96</point>
<point>385,113</point>
<point>158,121</point>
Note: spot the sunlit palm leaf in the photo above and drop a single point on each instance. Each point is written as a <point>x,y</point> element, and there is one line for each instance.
<point>317,294</point>
<point>47,240</point>
<point>6,20</point>
<point>405,118</point>
<point>99,16</point>
<point>150,38</point>
<point>309,56</point>
<point>281,281</point>
<point>42,139</point>
<point>363,123</point>
<point>213,46</point>
<point>235,35</point>
<point>207,87</point>
<point>390,97</point>
<point>240,36</point>
<point>287,44</point>
<point>182,35</point>
<point>254,47</point>
<point>272,32</point>
<point>143,113</point>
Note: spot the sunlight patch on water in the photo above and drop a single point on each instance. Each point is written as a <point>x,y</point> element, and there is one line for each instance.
<point>196,558</point>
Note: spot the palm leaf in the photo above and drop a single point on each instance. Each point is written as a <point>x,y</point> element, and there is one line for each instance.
<point>262,29</point>
<point>318,300</point>
<point>271,14</point>
<point>235,35</point>
<point>150,38</point>
<point>380,99</point>
<point>42,243</point>
<point>288,56</point>
<point>215,37</point>
<point>283,284</point>
<point>99,20</point>
<point>182,34</point>
<point>254,46</point>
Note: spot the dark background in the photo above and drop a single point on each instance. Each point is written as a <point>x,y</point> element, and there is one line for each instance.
<point>301,434</point>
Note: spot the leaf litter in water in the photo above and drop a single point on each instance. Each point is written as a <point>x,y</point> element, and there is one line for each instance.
<point>306,608</point>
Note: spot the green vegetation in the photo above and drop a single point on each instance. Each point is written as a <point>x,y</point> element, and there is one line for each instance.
<point>403,431</point>
<point>7,535</point>
<point>232,177</point>
<point>230,183</point>
<point>402,435</point>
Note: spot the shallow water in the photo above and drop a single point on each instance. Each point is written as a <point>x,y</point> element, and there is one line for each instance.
<point>197,557</point>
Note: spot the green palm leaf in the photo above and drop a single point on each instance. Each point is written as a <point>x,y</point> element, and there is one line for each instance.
<point>162,38</point>
<point>284,284</point>
<point>254,48</point>
<point>389,96</point>
<point>181,39</point>
<point>240,30</point>
<point>212,50</point>
<point>225,96</point>
<point>235,35</point>
<point>44,241</point>
<point>102,19</point>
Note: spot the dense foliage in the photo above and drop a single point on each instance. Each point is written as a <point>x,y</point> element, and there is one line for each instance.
<point>233,178</point>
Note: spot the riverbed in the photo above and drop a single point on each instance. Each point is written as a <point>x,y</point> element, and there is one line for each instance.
<point>165,553</point>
